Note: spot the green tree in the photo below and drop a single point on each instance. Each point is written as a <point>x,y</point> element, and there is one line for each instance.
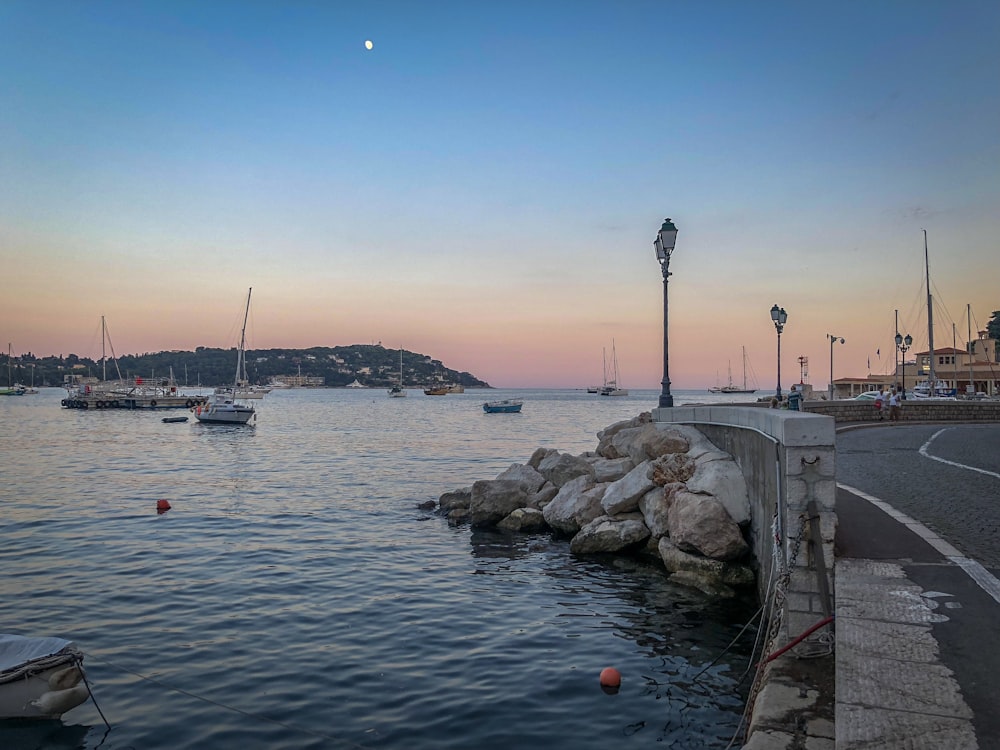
<point>993,326</point>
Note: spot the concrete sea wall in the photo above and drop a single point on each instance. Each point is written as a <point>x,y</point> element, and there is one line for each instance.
<point>788,461</point>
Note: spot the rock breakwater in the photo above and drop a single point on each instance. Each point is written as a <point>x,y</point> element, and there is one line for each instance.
<point>651,489</point>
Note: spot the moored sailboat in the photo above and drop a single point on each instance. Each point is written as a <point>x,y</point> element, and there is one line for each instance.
<point>397,390</point>
<point>732,387</point>
<point>611,387</point>
<point>12,389</point>
<point>222,406</point>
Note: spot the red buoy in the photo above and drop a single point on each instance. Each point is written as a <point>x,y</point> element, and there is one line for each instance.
<point>611,677</point>
<point>162,506</point>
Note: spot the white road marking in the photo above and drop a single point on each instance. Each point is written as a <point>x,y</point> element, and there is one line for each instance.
<point>923,452</point>
<point>983,578</point>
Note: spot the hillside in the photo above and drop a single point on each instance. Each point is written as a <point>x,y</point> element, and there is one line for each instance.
<point>370,364</point>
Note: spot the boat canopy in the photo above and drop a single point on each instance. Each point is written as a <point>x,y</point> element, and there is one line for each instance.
<point>15,650</point>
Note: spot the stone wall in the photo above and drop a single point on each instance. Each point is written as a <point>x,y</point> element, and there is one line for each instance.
<point>912,410</point>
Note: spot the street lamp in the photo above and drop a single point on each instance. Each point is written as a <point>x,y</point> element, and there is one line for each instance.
<point>833,340</point>
<point>903,344</point>
<point>779,316</point>
<point>664,243</point>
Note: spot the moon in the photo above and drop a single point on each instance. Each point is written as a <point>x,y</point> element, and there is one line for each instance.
<point>368,44</point>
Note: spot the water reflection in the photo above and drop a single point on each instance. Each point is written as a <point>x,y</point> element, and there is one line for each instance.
<point>16,734</point>
<point>681,630</point>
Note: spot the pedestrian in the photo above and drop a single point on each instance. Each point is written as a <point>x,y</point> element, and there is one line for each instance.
<point>894,407</point>
<point>879,400</point>
<point>794,399</point>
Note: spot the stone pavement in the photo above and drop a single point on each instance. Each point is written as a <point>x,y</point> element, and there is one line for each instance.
<point>917,655</point>
<point>916,647</point>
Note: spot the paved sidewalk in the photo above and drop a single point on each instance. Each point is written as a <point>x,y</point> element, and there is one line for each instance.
<point>917,647</point>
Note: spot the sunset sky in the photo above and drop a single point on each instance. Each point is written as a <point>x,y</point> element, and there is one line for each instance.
<point>484,184</point>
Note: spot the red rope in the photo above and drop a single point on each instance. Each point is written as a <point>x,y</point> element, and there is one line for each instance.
<point>795,642</point>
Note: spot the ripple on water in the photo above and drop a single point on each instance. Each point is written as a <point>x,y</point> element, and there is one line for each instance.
<point>295,594</point>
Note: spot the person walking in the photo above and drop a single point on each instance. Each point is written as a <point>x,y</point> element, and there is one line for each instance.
<point>794,399</point>
<point>894,407</point>
<point>879,403</point>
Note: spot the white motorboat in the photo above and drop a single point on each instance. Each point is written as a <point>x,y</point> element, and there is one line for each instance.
<point>223,406</point>
<point>941,390</point>
<point>252,391</point>
<point>40,678</point>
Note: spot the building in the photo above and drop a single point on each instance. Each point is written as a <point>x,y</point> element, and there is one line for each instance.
<point>978,367</point>
<point>968,371</point>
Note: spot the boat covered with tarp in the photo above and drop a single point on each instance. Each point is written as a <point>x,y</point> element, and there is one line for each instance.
<point>40,677</point>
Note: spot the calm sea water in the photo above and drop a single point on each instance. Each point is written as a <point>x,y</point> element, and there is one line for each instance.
<point>296,597</point>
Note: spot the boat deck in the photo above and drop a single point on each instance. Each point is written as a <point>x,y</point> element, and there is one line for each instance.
<point>115,401</point>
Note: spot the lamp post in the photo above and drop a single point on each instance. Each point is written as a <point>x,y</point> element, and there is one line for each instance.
<point>664,243</point>
<point>833,340</point>
<point>903,344</point>
<point>779,316</point>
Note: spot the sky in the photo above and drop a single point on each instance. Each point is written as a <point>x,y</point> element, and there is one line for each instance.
<point>485,183</point>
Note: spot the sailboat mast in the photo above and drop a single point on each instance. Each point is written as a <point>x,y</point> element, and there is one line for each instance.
<point>744,368</point>
<point>969,348</point>
<point>104,359</point>
<point>930,313</point>
<point>614,358</point>
<point>243,339</point>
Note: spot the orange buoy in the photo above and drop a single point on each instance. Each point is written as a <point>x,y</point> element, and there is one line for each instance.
<point>611,677</point>
<point>162,506</point>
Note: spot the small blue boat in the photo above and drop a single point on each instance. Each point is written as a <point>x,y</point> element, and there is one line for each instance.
<point>507,406</point>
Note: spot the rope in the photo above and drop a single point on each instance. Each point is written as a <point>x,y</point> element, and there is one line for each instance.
<point>79,665</point>
<point>798,639</point>
<point>775,615</point>
<point>731,643</point>
<point>249,714</point>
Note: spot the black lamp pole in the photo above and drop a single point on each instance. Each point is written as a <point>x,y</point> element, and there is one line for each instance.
<point>779,316</point>
<point>903,344</point>
<point>664,243</point>
<point>833,340</point>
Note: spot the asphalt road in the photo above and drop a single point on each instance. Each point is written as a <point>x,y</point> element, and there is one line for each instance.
<point>960,504</point>
<point>906,467</point>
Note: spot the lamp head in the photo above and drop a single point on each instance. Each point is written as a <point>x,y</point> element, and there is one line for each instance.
<point>775,313</point>
<point>665,240</point>
<point>908,339</point>
<point>899,339</point>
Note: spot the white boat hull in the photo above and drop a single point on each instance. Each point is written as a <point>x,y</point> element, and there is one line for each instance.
<point>44,687</point>
<point>224,413</point>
